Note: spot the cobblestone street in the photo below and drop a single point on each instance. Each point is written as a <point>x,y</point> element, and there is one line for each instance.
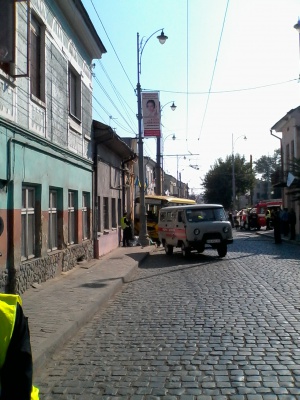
<point>199,328</point>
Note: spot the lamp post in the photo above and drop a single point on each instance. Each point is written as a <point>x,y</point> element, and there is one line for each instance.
<point>178,156</point>
<point>158,179</point>
<point>297,27</point>
<point>233,172</point>
<point>143,221</point>
<point>162,158</point>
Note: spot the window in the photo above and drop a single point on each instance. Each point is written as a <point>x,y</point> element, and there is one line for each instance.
<point>71,217</point>
<point>52,227</point>
<point>85,216</point>
<point>113,213</point>
<point>163,216</point>
<point>37,57</point>
<point>28,223</point>
<point>105,213</point>
<point>287,156</point>
<point>74,94</point>
<point>6,34</point>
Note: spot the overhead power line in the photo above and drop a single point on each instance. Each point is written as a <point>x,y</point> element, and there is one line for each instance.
<point>112,45</point>
<point>229,90</point>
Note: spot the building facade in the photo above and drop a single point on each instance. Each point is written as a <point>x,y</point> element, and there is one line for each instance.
<point>114,187</point>
<point>289,129</point>
<point>46,162</point>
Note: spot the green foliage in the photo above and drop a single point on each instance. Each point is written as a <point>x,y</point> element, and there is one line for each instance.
<point>268,166</point>
<point>218,181</point>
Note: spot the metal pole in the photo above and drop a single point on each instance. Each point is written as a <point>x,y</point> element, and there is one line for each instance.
<point>143,219</point>
<point>233,179</point>
<point>158,171</point>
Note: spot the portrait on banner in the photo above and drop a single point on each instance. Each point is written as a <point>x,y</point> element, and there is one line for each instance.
<point>151,113</point>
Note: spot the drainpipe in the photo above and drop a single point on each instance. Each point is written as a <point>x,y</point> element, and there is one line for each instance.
<point>281,154</point>
<point>131,158</point>
<point>95,203</point>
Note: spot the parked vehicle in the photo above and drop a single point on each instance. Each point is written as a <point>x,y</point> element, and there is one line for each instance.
<point>153,204</point>
<point>261,208</point>
<point>195,227</point>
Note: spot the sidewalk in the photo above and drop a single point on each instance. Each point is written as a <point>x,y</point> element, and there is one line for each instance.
<point>57,309</point>
<point>270,235</point>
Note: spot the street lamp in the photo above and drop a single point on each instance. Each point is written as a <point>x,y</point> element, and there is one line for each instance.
<point>158,178</point>
<point>162,158</point>
<point>297,27</point>
<point>233,172</point>
<point>143,220</point>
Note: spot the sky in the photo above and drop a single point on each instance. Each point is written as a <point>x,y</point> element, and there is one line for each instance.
<point>231,67</point>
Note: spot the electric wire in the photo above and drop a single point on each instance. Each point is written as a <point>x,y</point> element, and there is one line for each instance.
<point>228,90</point>
<point>120,97</point>
<point>112,102</point>
<point>112,45</point>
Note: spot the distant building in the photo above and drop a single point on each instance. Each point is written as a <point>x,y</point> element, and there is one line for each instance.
<point>113,187</point>
<point>289,127</point>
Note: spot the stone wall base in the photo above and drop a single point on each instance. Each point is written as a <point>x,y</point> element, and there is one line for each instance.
<point>41,269</point>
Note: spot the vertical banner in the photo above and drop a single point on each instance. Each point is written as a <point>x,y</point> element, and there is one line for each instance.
<point>151,114</point>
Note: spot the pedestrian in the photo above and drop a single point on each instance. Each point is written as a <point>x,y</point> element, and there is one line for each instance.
<point>230,218</point>
<point>125,226</point>
<point>285,222</point>
<point>292,223</point>
<point>277,226</point>
<point>15,352</point>
<point>268,219</point>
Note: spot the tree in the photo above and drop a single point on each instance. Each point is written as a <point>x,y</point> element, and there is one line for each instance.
<point>269,167</point>
<point>218,181</point>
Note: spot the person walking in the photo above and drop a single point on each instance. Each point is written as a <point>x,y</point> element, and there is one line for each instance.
<point>277,226</point>
<point>15,351</point>
<point>285,222</point>
<point>292,224</point>
<point>268,219</point>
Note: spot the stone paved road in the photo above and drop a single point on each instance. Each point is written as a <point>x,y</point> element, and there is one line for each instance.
<point>203,328</point>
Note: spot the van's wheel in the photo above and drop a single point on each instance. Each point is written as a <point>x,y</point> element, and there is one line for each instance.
<point>222,250</point>
<point>185,250</point>
<point>168,249</point>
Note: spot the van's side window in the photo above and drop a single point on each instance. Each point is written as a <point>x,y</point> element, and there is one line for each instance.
<point>169,216</point>
<point>181,217</point>
<point>162,216</point>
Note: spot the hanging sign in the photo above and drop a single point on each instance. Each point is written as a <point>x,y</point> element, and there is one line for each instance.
<point>151,114</point>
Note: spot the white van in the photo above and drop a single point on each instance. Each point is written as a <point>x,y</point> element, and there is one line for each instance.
<point>194,227</point>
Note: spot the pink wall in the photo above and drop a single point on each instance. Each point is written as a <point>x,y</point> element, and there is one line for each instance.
<point>106,243</point>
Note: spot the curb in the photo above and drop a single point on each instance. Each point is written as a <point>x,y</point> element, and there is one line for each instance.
<point>270,235</point>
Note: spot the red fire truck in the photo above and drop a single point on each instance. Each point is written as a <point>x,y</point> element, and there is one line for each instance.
<point>261,208</point>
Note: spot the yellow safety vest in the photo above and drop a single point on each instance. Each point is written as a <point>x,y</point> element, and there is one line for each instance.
<point>8,311</point>
<point>123,224</point>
